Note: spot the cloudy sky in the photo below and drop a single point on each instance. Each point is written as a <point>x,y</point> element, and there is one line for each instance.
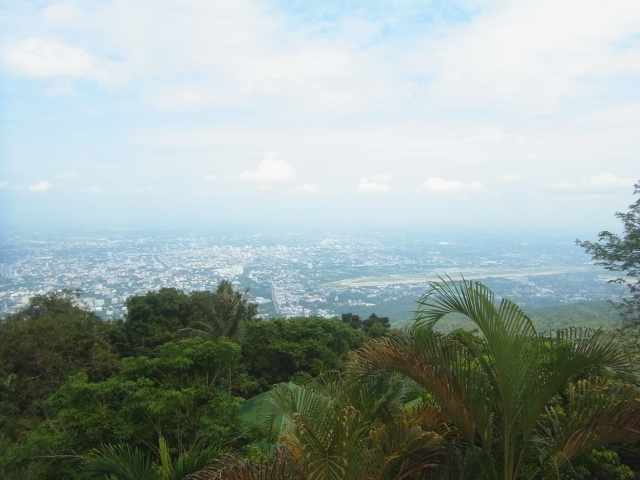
<point>201,112</point>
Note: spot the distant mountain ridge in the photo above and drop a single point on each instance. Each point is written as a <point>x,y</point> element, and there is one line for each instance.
<point>593,314</point>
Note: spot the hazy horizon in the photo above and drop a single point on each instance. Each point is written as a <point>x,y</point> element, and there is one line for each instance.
<point>274,230</point>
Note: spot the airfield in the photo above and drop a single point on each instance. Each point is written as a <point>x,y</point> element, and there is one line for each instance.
<point>456,274</point>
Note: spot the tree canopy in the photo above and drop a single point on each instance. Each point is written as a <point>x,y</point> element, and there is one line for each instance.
<point>296,349</point>
<point>180,395</point>
<point>374,326</point>
<point>41,346</point>
<point>622,254</point>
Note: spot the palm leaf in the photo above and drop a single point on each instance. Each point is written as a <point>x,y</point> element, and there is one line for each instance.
<point>599,412</point>
<point>230,467</point>
<point>440,364</point>
<point>496,396</point>
<point>119,462</point>
<point>192,461</point>
<point>197,329</point>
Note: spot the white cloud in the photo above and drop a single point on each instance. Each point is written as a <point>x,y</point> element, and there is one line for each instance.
<point>210,178</point>
<point>438,185</point>
<point>381,178</point>
<point>66,175</point>
<point>210,53</point>
<point>4,184</point>
<point>205,54</point>
<point>311,188</point>
<point>42,186</point>
<point>264,73</point>
<point>94,189</point>
<point>36,57</point>
<point>509,178</point>
<point>560,186</point>
<point>41,58</point>
<point>365,185</point>
<point>603,182</point>
<point>270,170</point>
<point>534,54</point>
<point>606,181</point>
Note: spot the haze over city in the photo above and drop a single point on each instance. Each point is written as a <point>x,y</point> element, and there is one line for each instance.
<point>134,113</point>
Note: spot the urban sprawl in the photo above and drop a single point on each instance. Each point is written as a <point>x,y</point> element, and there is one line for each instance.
<point>292,274</point>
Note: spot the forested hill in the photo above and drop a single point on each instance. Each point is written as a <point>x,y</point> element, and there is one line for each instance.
<point>588,314</point>
<point>593,314</point>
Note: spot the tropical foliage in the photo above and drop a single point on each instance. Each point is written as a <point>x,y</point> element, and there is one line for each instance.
<point>524,405</point>
<point>335,429</point>
<point>160,394</point>
<point>223,313</point>
<point>71,382</point>
<point>180,395</point>
<point>124,462</point>
<point>41,346</point>
<point>296,349</point>
<point>338,429</point>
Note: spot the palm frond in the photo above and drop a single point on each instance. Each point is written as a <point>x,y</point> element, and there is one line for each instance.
<point>402,448</point>
<point>438,363</point>
<point>599,412</point>
<point>192,461</point>
<point>197,329</point>
<point>495,396</point>
<point>119,462</point>
<point>229,467</point>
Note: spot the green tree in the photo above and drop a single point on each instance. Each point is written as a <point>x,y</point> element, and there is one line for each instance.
<point>40,346</point>
<point>503,398</point>
<point>352,320</point>
<point>152,319</point>
<point>223,313</point>
<point>622,254</point>
<point>374,326</point>
<point>276,350</point>
<point>170,314</point>
<point>599,464</point>
<point>178,395</point>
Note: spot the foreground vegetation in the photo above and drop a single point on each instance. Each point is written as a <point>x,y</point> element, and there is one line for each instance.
<point>176,368</point>
<point>161,394</point>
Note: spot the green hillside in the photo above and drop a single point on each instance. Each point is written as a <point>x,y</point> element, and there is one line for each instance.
<point>589,314</point>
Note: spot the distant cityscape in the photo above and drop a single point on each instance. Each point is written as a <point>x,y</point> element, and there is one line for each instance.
<point>294,274</point>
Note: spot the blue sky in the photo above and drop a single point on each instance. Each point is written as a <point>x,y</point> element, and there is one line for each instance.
<point>197,113</point>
